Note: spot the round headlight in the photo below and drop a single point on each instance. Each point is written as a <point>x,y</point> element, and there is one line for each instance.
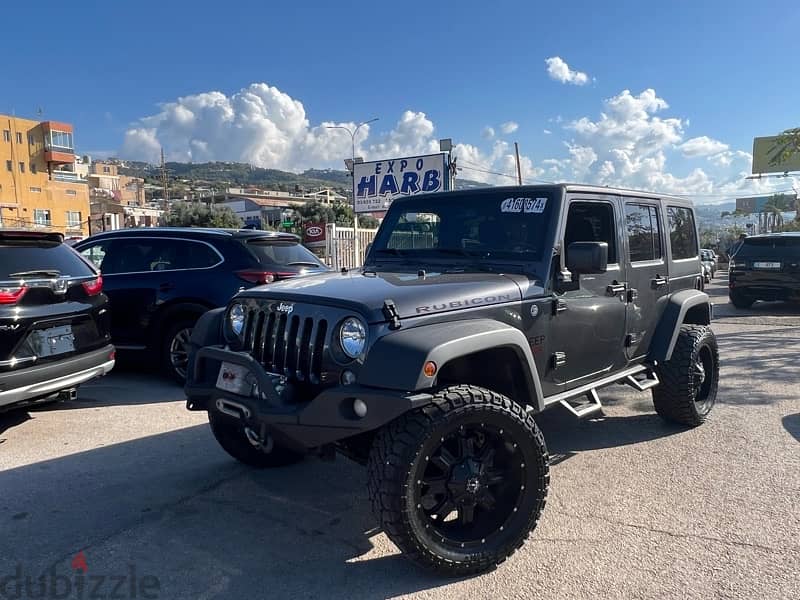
<point>236,318</point>
<point>352,337</point>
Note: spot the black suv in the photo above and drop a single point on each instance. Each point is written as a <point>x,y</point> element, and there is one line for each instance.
<point>765,267</point>
<point>474,311</point>
<point>160,280</point>
<point>54,321</point>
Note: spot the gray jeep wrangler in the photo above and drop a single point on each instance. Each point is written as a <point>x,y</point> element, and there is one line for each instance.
<point>474,311</point>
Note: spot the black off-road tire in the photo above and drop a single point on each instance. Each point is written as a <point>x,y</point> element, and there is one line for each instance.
<point>397,462</point>
<point>740,301</point>
<point>230,434</point>
<point>689,380</point>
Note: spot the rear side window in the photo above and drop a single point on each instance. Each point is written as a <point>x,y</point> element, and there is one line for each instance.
<point>776,247</point>
<point>20,256</point>
<point>644,232</point>
<point>281,253</point>
<point>682,233</point>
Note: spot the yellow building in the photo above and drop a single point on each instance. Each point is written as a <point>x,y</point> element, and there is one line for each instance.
<point>38,183</point>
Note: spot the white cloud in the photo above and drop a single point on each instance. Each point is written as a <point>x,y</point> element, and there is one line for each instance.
<point>266,127</point>
<point>487,133</point>
<point>509,127</point>
<point>546,131</point>
<point>560,71</point>
<point>702,146</point>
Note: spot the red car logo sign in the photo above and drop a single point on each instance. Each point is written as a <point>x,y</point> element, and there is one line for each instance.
<point>314,231</point>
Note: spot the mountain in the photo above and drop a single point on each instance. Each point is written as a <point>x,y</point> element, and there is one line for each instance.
<point>219,175</point>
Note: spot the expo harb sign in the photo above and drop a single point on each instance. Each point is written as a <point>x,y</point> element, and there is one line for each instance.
<point>377,183</point>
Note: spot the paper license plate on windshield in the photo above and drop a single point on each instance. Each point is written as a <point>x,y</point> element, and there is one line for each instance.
<point>233,378</point>
<point>766,265</point>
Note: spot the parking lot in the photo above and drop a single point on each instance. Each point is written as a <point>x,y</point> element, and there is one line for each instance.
<point>637,508</point>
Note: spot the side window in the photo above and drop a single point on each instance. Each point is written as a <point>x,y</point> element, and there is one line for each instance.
<point>592,222</point>
<point>644,232</point>
<point>127,256</point>
<point>192,255</point>
<point>682,236</point>
<point>95,254</point>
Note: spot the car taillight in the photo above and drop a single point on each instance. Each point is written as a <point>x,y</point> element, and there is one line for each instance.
<point>262,277</point>
<point>12,295</point>
<point>93,287</point>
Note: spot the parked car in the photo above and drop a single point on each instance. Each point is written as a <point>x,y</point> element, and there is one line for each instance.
<point>54,319</point>
<point>765,267</point>
<point>708,256</point>
<point>470,317</point>
<point>161,280</point>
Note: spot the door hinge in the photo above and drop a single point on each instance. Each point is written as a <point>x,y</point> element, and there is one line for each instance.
<point>559,306</point>
<point>633,339</point>
<point>559,359</point>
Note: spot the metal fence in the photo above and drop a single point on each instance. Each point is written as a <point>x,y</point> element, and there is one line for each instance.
<point>340,247</point>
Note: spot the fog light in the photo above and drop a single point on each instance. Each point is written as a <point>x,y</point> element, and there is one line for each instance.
<point>348,378</point>
<point>360,408</point>
<point>429,369</point>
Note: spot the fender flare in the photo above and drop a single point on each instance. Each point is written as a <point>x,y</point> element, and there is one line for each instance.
<point>675,314</point>
<point>395,361</point>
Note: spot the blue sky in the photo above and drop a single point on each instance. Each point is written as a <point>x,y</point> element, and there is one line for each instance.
<point>720,73</point>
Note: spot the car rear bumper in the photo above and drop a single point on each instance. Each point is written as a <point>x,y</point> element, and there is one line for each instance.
<point>39,381</point>
<point>766,291</point>
<point>293,420</point>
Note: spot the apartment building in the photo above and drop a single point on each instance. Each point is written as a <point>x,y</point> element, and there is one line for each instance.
<point>38,183</point>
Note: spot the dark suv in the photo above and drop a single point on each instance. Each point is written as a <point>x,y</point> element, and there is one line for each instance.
<point>766,267</point>
<point>160,280</point>
<point>54,321</point>
<point>475,310</point>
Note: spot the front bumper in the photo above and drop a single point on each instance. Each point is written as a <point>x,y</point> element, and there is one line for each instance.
<point>23,385</point>
<point>293,420</point>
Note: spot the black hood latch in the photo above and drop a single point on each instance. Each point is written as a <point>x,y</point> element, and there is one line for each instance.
<point>391,314</point>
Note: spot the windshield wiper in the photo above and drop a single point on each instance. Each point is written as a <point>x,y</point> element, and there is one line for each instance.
<point>461,252</point>
<point>37,272</point>
<point>394,251</point>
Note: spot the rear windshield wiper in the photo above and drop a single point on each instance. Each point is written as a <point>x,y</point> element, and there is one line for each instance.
<point>303,263</point>
<point>37,273</point>
<point>395,251</point>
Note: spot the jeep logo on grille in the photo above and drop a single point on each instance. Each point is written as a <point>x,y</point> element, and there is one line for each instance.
<point>285,307</point>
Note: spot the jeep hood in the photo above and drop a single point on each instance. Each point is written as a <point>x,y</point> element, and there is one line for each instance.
<point>412,294</point>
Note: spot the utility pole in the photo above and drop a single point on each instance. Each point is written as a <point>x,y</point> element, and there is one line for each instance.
<point>519,170</point>
<point>164,182</point>
<point>353,133</point>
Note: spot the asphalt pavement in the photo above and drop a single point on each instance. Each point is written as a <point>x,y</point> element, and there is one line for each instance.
<point>128,486</point>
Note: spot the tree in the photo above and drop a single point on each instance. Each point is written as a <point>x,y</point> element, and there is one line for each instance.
<point>341,214</point>
<point>786,146</point>
<point>191,214</point>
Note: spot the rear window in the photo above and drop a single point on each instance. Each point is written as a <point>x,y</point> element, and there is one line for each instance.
<point>282,253</point>
<point>766,247</point>
<point>682,237</point>
<point>19,256</point>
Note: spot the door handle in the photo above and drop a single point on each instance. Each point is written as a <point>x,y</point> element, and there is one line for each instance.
<point>616,288</point>
<point>659,281</point>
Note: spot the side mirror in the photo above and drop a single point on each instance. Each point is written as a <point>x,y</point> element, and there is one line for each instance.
<point>366,252</point>
<point>587,257</point>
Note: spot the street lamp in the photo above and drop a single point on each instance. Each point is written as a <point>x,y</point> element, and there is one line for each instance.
<point>351,168</point>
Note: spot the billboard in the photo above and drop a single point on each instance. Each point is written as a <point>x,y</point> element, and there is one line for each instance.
<point>377,183</point>
<point>767,156</point>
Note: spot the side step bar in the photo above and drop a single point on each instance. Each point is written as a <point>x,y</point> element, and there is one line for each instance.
<point>583,410</point>
<point>640,377</point>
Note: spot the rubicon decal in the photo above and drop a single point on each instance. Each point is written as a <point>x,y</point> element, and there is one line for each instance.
<point>431,308</point>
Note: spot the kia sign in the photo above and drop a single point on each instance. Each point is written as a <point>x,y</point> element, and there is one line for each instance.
<point>377,183</point>
<point>314,235</point>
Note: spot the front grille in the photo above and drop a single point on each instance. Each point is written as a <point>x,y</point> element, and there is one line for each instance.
<point>289,345</point>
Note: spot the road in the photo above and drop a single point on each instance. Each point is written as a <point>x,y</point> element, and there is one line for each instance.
<point>637,508</point>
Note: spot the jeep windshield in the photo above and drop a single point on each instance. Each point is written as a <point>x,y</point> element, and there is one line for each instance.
<point>455,227</point>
